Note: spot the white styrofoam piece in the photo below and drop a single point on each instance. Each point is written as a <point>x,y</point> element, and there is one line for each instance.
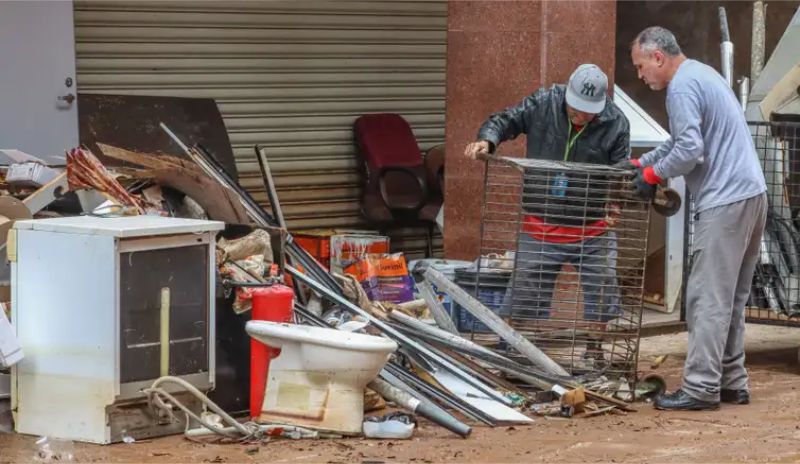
<point>468,393</point>
<point>127,226</point>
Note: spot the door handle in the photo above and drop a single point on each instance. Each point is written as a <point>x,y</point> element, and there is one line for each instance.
<point>69,98</point>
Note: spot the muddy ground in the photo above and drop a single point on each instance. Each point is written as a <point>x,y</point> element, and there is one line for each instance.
<point>767,430</point>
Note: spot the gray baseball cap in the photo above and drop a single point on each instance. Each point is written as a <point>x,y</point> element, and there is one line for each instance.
<point>586,89</point>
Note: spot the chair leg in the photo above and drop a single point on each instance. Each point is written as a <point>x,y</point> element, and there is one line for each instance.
<point>429,251</point>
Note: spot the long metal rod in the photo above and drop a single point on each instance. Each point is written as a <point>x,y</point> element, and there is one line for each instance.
<point>494,322</point>
<point>726,48</point>
<point>394,334</point>
<point>444,397</point>
<point>216,171</point>
<point>420,405</point>
<point>269,183</point>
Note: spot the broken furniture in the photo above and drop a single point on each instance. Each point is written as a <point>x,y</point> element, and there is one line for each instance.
<point>574,242</point>
<point>318,379</point>
<point>396,191</point>
<point>131,121</point>
<point>102,307</point>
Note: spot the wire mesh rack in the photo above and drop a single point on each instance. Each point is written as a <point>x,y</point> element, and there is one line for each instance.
<point>775,293</point>
<point>563,251</point>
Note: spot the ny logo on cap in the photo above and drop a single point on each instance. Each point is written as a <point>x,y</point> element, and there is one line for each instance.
<point>588,89</point>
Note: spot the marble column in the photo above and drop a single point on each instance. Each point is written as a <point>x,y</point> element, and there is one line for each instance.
<point>497,53</point>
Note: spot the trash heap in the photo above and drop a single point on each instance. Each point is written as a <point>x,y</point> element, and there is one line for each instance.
<point>435,372</point>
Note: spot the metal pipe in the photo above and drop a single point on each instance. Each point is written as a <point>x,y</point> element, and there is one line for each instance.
<point>394,373</point>
<point>759,39</point>
<point>272,193</point>
<point>395,335</point>
<point>419,406</point>
<point>744,91</point>
<point>726,48</point>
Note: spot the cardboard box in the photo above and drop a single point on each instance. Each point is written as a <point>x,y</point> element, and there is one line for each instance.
<point>29,174</point>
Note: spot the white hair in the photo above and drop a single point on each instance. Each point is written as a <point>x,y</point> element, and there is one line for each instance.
<point>658,38</point>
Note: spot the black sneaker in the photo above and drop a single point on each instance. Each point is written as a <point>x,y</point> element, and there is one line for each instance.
<point>734,396</point>
<point>680,401</point>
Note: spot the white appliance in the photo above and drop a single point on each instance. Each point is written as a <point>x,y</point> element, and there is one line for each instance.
<point>102,307</point>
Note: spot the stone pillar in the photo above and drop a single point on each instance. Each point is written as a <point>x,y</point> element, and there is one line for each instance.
<point>497,53</point>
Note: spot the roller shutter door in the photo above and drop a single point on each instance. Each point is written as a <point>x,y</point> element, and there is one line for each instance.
<point>291,76</point>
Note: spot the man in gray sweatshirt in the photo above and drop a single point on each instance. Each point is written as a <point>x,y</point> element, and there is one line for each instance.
<point>711,147</point>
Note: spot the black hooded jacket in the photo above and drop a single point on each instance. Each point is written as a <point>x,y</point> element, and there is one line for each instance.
<point>542,116</point>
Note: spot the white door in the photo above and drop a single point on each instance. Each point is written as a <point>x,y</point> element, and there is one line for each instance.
<point>38,111</point>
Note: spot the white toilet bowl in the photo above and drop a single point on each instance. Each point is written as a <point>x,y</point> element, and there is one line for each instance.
<point>318,379</point>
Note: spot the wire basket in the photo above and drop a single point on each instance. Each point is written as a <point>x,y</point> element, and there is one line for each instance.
<point>563,251</point>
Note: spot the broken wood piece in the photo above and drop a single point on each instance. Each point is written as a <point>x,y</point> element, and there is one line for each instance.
<point>373,401</point>
<point>609,400</point>
<point>148,160</point>
<point>438,312</point>
<point>218,202</point>
<point>598,411</point>
<point>658,361</point>
<point>85,171</point>
<point>494,322</point>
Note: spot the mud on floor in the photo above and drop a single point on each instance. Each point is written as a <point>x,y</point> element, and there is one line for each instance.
<point>767,430</point>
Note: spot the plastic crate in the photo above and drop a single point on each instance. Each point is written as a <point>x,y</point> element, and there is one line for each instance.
<point>491,291</point>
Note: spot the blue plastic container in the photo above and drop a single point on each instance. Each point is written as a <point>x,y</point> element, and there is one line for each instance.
<point>491,290</point>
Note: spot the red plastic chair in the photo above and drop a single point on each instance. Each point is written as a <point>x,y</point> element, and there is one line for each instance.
<point>396,191</point>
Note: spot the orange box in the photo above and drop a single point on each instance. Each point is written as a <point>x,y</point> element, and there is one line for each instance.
<point>319,243</point>
<point>347,249</point>
<point>318,246</point>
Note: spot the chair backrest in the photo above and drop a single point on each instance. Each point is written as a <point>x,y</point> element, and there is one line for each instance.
<point>434,169</point>
<point>386,140</point>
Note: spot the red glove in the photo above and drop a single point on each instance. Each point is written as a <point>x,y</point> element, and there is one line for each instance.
<point>650,176</point>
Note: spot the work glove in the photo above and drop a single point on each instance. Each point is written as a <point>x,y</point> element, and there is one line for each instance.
<point>628,164</point>
<point>644,184</point>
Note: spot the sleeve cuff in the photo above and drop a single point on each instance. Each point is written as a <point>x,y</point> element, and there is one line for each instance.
<point>650,176</point>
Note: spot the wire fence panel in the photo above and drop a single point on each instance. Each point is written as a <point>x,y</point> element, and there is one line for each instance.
<point>563,251</point>
<point>775,293</point>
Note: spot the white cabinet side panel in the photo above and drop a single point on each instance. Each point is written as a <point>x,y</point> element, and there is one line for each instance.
<point>65,310</point>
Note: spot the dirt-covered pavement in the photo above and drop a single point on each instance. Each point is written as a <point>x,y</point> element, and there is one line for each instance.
<point>767,430</point>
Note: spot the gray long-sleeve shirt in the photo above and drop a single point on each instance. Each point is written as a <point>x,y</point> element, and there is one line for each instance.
<point>711,145</point>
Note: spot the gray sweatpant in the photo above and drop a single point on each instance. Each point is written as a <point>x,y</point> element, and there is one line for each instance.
<point>539,263</point>
<point>724,256</point>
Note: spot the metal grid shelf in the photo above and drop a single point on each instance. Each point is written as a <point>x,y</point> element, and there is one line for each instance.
<point>563,249</point>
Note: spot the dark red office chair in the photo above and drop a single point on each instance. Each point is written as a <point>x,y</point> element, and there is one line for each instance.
<point>396,192</point>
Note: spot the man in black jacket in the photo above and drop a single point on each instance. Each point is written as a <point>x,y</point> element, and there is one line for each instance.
<point>565,216</point>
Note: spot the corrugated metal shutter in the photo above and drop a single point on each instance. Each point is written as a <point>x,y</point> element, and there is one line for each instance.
<point>290,75</point>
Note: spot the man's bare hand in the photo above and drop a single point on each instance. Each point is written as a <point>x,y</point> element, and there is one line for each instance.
<point>477,150</point>
<point>613,212</point>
